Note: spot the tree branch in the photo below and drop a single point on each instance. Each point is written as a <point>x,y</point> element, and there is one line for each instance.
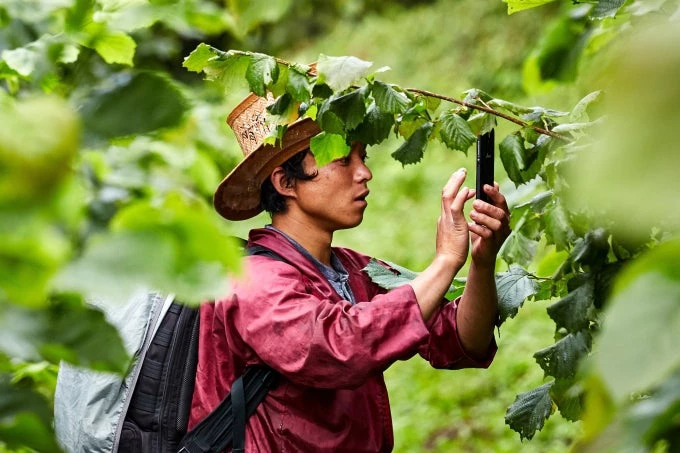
<point>487,109</point>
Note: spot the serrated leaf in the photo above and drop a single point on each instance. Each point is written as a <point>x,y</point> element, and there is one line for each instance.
<point>298,84</point>
<point>227,67</point>
<point>580,111</point>
<point>348,108</point>
<point>513,288</point>
<point>518,249</point>
<point>607,8</point>
<point>530,411</point>
<point>412,150</point>
<point>568,398</point>
<point>474,95</point>
<point>339,73</point>
<point>455,132</point>
<point>558,228</point>
<point>561,360</point>
<point>261,72</point>
<point>538,203</point>
<point>281,105</point>
<point>388,99</point>
<point>510,106</point>
<point>328,120</point>
<point>389,279</point>
<point>375,127</point>
<point>515,6</point>
<point>115,47</point>
<point>126,108</point>
<point>327,147</point>
<point>514,156</point>
<point>481,123</point>
<point>576,310</point>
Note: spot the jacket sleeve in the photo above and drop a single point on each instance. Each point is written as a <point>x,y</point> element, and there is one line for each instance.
<point>315,341</point>
<point>444,348</point>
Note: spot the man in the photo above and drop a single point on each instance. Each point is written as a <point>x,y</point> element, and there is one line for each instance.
<point>311,314</point>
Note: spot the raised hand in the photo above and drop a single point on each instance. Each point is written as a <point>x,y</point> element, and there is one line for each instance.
<point>453,233</point>
<point>490,228</point>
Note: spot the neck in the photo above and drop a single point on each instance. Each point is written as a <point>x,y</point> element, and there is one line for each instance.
<point>315,240</point>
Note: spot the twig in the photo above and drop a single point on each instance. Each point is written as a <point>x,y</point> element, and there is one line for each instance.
<point>487,109</point>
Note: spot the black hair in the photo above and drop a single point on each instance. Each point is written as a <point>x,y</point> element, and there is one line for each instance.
<point>271,200</point>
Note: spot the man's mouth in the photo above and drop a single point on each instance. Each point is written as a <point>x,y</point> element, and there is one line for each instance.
<point>362,196</point>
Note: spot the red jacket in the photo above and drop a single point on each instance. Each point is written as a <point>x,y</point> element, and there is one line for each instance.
<point>331,354</point>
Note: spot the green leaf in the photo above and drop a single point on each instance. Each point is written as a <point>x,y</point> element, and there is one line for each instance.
<point>249,14</point>
<point>481,123</point>
<point>348,108</point>
<point>125,108</point>
<point>175,245</point>
<point>654,417</point>
<point>513,288</point>
<point>412,150</point>
<point>592,249</point>
<point>280,107</point>
<point>644,316</point>
<point>388,99</point>
<point>530,411</point>
<point>607,8</point>
<point>200,58</point>
<point>561,360</point>
<point>558,228</point>
<point>327,147</point>
<point>80,334</point>
<point>374,128</point>
<point>25,417</point>
<point>568,398</point>
<point>339,73</point>
<point>455,132</point>
<point>115,47</point>
<point>396,276</point>
<point>328,120</point>
<point>576,310</point>
<point>580,111</point>
<point>298,84</point>
<point>39,139</point>
<point>23,59</point>
<point>514,156</point>
<point>262,71</point>
<point>518,249</point>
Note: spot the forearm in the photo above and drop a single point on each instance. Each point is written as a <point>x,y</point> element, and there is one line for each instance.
<point>431,285</point>
<point>477,310</point>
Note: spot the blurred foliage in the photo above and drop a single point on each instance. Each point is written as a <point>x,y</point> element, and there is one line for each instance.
<point>110,150</point>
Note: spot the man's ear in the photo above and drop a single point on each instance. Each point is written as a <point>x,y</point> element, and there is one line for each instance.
<point>282,184</point>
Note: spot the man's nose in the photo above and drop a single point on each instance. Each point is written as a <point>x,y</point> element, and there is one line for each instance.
<point>362,172</point>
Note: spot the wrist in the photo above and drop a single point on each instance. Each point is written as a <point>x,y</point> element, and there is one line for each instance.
<point>448,263</point>
<point>483,264</point>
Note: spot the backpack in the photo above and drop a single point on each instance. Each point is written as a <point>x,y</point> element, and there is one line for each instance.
<point>147,411</point>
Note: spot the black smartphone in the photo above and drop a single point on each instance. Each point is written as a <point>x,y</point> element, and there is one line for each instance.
<point>485,157</point>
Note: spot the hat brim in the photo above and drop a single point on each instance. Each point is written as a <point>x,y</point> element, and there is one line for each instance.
<point>238,195</point>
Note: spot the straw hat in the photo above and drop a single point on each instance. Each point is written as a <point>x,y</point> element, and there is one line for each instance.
<point>238,195</point>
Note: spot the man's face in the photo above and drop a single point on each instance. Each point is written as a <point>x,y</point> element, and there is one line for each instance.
<point>336,198</point>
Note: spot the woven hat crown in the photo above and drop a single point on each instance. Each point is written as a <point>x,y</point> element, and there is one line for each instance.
<point>238,195</point>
